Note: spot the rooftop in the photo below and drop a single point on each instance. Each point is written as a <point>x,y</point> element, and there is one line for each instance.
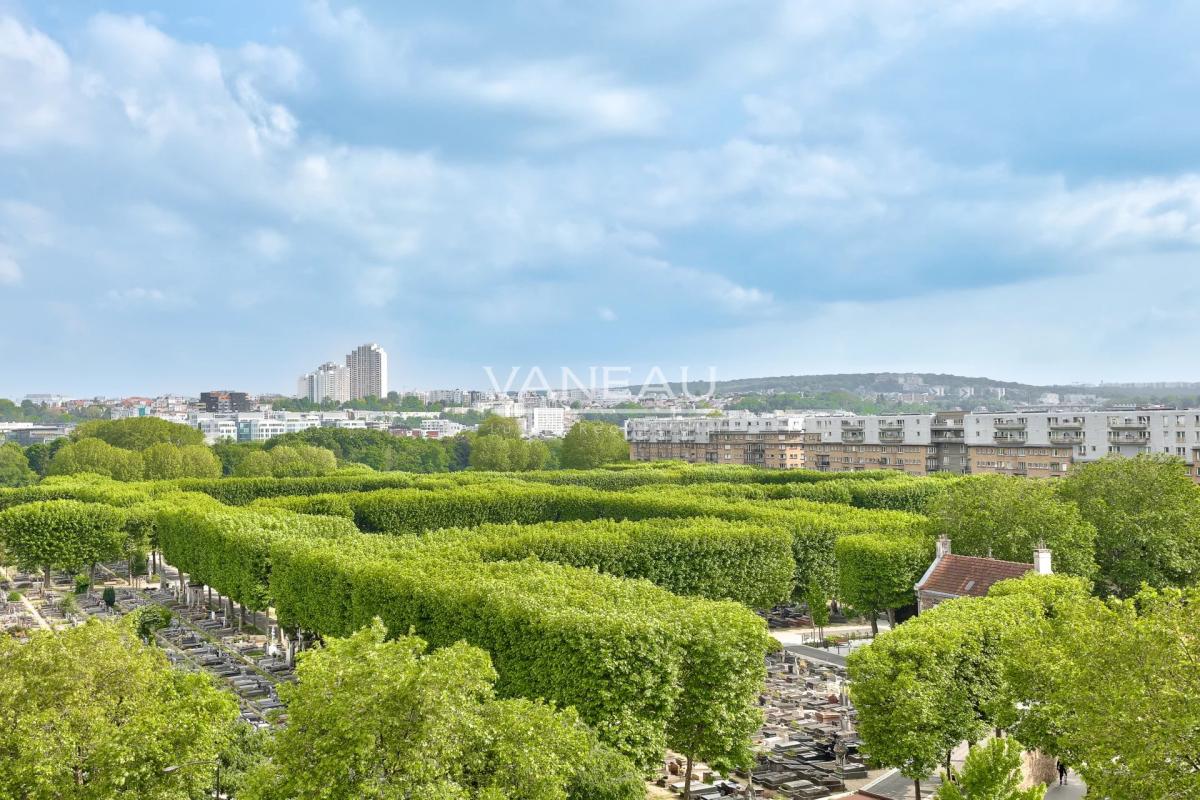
<point>969,576</point>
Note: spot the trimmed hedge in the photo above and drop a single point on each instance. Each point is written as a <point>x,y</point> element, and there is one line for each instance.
<point>229,549</point>
<point>622,652</point>
<point>85,488</point>
<point>721,560</point>
<point>814,526</point>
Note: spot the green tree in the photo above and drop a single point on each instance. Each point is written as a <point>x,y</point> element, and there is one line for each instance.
<point>302,460</point>
<point>61,534</point>
<point>1093,671</point>
<point>492,453</point>
<point>990,772</point>
<point>1146,511</point>
<point>90,713</point>
<point>877,573</point>
<point>99,457</point>
<point>377,449</point>
<point>138,433</point>
<point>590,444</point>
<point>495,425</point>
<point>165,461</point>
<point>372,718</point>
<point>162,462</point>
<point>254,464</point>
<point>199,461</point>
<point>14,466</point>
<point>1008,517</point>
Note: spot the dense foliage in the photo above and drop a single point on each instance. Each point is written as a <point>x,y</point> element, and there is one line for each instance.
<point>590,444</point>
<point>877,573</point>
<point>1146,512</point>
<point>372,718</point>
<point>377,449</point>
<point>711,558</point>
<point>91,713</point>
<point>138,433</point>
<point>1008,517</point>
<point>990,772</point>
<point>61,534</point>
<point>1110,687</point>
<point>14,466</point>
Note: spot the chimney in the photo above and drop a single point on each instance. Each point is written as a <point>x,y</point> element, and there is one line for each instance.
<point>1041,560</point>
<point>943,545</point>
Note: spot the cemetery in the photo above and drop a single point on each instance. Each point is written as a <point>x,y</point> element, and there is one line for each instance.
<point>642,599</point>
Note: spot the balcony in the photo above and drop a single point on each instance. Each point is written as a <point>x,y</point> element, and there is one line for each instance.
<point>1129,437</point>
<point>853,424</point>
<point>1066,424</point>
<point>1010,438</point>
<point>1009,424</point>
<point>942,423</point>
<point>1066,437</point>
<point>891,425</point>
<point>853,436</point>
<point>1128,424</point>
<point>954,436</point>
<point>891,435</point>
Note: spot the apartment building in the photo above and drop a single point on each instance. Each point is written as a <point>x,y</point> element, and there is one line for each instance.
<point>364,374</point>
<point>737,438</point>
<point>368,367</point>
<point>1033,443</point>
<point>223,401</point>
<point>547,421</point>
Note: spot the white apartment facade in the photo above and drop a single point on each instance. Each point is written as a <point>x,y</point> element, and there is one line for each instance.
<point>1031,442</point>
<point>364,374</point>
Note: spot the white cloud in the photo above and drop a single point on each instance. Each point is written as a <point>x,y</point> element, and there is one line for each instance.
<point>1123,214</point>
<point>35,74</point>
<point>606,314</point>
<point>10,271</point>
<point>595,103</point>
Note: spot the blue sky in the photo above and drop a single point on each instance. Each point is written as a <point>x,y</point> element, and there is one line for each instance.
<point>201,195</point>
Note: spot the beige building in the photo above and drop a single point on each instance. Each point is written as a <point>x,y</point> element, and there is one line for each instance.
<point>1031,443</point>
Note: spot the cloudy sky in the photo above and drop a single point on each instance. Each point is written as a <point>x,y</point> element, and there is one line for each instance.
<point>197,195</point>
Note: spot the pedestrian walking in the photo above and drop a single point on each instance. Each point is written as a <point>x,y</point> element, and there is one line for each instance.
<point>1062,774</point>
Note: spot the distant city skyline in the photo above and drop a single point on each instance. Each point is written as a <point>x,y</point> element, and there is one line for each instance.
<point>206,196</point>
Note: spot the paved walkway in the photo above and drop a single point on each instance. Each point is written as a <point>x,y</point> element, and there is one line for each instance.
<point>1073,790</point>
<point>817,654</point>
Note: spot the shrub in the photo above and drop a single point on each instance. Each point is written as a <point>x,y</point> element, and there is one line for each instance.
<point>109,595</point>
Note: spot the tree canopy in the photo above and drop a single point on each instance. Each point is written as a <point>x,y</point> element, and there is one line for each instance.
<point>590,444</point>
<point>138,433</point>
<point>91,713</point>
<point>14,466</point>
<point>99,457</point>
<point>1008,517</point>
<point>61,534</point>
<point>372,718</point>
<point>379,450</point>
<point>991,772</point>
<point>1146,512</point>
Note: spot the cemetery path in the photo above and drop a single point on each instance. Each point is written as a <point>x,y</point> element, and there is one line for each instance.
<point>817,654</point>
<point>1074,789</point>
<point>37,615</point>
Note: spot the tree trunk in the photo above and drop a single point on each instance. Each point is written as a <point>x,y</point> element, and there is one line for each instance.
<point>917,783</point>
<point>891,615</point>
<point>874,623</point>
<point>949,774</point>
<point>46,580</point>
<point>687,779</point>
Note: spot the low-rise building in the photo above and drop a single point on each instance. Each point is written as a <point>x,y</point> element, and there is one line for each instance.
<point>951,576</point>
<point>1041,443</point>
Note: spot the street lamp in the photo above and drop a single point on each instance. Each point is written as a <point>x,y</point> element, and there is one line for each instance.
<point>172,769</point>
